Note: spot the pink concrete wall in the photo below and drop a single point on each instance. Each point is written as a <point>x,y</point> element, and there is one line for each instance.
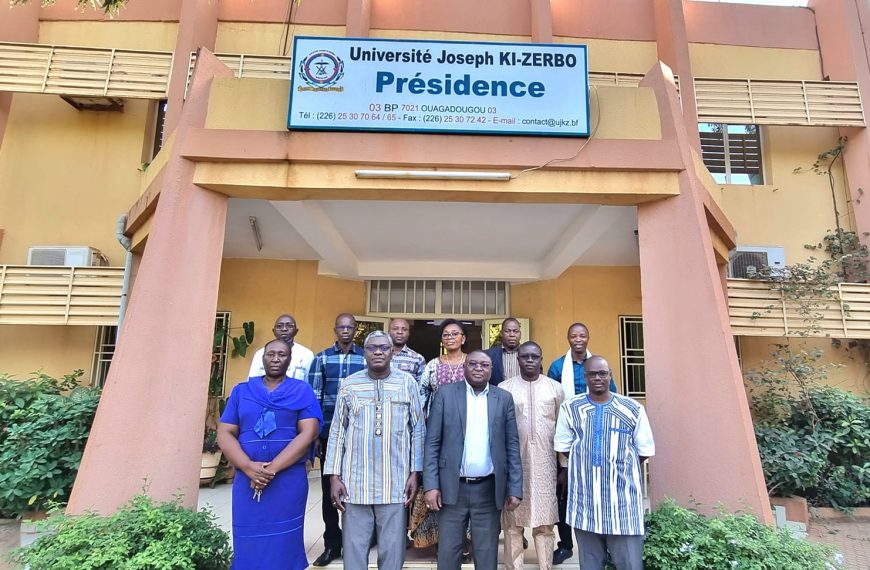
<point>17,24</point>
<point>504,17</point>
<point>705,444</point>
<point>608,19</point>
<point>324,12</point>
<point>197,28</point>
<point>748,25</point>
<point>845,52</point>
<point>673,49</point>
<point>149,425</point>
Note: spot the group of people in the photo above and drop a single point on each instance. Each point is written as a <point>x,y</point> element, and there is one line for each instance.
<point>456,451</point>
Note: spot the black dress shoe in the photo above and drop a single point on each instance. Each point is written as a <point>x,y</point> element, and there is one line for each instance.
<point>328,556</point>
<point>561,555</point>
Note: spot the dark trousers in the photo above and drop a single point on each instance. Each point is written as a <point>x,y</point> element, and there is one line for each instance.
<point>566,533</point>
<point>475,505</point>
<point>332,534</point>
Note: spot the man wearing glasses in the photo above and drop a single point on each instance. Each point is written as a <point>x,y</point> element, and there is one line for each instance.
<point>607,437</point>
<point>328,369</point>
<point>568,370</point>
<point>300,357</point>
<point>537,400</point>
<point>375,455</point>
<point>471,466</point>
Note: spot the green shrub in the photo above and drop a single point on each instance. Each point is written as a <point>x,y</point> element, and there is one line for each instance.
<point>814,440</point>
<point>681,538</point>
<point>142,535</point>
<point>46,422</point>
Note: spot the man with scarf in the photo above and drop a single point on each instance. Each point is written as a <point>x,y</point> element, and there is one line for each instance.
<point>573,383</point>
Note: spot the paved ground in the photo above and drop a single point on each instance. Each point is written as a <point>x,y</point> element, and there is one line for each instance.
<point>8,541</point>
<point>851,538</point>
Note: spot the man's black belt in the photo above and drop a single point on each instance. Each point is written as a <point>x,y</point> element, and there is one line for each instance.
<point>475,480</point>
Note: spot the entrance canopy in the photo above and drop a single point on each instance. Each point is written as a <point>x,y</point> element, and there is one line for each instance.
<point>386,240</point>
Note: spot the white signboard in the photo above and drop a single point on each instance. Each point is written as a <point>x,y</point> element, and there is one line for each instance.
<point>358,84</point>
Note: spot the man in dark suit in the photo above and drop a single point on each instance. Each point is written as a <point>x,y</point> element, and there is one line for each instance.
<point>505,363</point>
<point>471,464</point>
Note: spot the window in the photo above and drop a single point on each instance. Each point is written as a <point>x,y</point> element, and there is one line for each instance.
<point>732,153</point>
<point>219,354</point>
<point>431,297</point>
<point>160,124</point>
<point>104,349</point>
<point>631,356</point>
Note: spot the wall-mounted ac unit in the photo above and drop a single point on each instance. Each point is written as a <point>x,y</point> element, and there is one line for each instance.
<point>746,261</point>
<point>68,256</point>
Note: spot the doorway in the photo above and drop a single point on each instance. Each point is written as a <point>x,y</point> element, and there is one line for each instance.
<point>426,336</point>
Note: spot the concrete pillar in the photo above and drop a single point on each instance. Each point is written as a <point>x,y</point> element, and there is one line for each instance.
<point>542,21</point>
<point>845,52</point>
<point>149,425</point>
<point>359,18</point>
<point>673,49</point>
<point>705,444</point>
<point>197,27</point>
<point>17,24</point>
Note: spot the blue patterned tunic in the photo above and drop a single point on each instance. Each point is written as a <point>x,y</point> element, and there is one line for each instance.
<point>605,442</point>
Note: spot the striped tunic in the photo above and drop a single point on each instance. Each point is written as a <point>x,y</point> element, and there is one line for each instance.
<point>376,438</point>
<point>605,442</point>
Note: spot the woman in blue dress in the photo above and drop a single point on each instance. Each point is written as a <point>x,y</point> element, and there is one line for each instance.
<point>267,432</point>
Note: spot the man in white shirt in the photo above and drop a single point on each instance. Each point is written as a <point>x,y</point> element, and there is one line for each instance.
<point>300,357</point>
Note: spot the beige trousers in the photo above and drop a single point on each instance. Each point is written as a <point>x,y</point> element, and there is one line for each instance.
<point>544,539</point>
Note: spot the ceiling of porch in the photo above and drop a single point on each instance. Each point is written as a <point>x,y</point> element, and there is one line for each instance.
<point>381,239</point>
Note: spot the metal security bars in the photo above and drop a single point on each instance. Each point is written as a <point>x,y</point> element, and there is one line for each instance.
<point>104,350</point>
<point>438,297</point>
<point>631,358</point>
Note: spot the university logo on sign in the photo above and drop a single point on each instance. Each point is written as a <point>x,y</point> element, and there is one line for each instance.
<point>321,70</point>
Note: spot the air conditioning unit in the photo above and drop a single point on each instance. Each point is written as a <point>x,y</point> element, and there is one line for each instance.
<point>68,256</point>
<point>747,261</point>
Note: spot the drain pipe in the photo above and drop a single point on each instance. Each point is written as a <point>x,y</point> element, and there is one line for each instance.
<point>127,244</point>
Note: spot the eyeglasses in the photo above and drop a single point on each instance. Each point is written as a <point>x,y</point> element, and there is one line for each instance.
<point>483,365</point>
<point>597,374</point>
<point>382,348</point>
<point>345,327</point>
<point>451,334</point>
<point>285,326</point>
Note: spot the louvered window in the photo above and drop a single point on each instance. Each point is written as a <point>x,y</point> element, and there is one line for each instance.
<point>732,153</point>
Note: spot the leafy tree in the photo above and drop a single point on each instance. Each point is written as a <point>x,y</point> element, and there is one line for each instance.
<point>107,6</point>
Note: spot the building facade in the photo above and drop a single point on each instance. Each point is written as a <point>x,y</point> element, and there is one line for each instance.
<point>704,118</point>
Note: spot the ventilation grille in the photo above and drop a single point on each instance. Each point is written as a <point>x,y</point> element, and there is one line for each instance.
<point>438,297</point>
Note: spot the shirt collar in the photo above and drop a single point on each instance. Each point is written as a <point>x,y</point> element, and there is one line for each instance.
<point>354,348</point>
<point>585,358</point>
<point>470,390</point>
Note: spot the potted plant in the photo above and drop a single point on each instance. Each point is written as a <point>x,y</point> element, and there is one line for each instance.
<point>211,456</point>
